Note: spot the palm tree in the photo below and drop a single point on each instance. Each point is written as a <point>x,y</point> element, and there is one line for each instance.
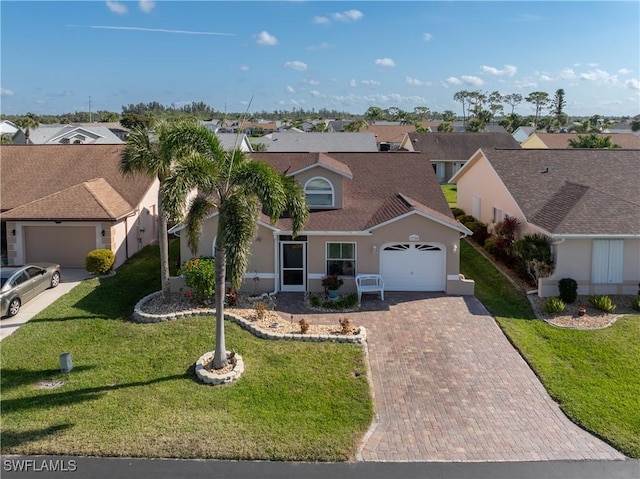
<point>151,154</point>
<point>356,125</point>
<point>593,140</point>
<point>239,188</point>
<point>27,122</point>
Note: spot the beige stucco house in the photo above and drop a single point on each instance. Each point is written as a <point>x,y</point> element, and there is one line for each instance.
<point>586,200</point>
<point>61,201</point>
<point>561,140</point>
<point>381,213</point>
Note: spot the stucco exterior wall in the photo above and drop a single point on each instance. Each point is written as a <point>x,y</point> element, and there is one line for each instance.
<point>533,142</point>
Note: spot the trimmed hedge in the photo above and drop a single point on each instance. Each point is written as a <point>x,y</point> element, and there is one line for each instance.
<point>99,261</point>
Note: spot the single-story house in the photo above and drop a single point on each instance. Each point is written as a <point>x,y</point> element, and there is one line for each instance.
<point>318,142</point>
<point>73,135</point>
<point>586,201</point>
<point>522,133</point>
<point>389,137</point>
<point>380,213</point>
<point>447,152</point>
<point>12,131</point>
<point>61,201</point>
<point>561,140</point>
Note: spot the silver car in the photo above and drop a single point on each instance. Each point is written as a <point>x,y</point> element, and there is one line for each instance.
<point>20,284</point>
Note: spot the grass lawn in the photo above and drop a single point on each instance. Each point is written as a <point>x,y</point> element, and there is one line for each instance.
<point>132,391</point>
<point>593,375</point>
<point>451,194</point>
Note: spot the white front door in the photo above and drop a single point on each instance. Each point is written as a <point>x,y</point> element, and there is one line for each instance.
<point>293,266</point>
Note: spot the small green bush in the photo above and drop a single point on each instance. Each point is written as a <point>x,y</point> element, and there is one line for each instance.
<point>603,303</point>
<point>635,303</point>
<point>464,219</point>
<point>568,288</point>
<point>490,244</point>
<point>554,305</point>
<point>200,275</point>
<point>480,233</point>
<point>99,261</point>
<point>457,212</point>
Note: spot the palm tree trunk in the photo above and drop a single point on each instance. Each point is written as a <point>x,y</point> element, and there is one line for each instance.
<point>163,243</point>
<point>220,356</point>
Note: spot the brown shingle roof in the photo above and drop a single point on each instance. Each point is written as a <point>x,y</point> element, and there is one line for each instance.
<point>573,191</point>
<point>561,140</point>
<point>40,174</point>
<point>458,146</point>
<point>389,133</point>
<point>371,197</point>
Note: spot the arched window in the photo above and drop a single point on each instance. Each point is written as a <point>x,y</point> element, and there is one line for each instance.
<point>319,192</point>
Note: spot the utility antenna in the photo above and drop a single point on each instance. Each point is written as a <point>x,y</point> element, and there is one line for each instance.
<point>90,110</point>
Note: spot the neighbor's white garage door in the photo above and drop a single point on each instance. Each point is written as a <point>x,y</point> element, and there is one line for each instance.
<point>66,245</point>
<point>413,267</point>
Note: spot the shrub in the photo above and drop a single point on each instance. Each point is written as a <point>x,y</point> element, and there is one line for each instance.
<point>457,212</point>
<point>568,288</point>
<point>464,219</point>
<point>603,303</point>
<point>304,326</point>
<point>505,232</point>
<point>99,261</point>
<point>635,303</point>
<point>200,275</point>
<point>345,327</point>
<point>261,309</point>
<point>533,253</point>
<point>554,305</point>
<point>480,233</point>
<point>490,244</point>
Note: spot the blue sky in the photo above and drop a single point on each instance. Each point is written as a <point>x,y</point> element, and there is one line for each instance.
<point>341,55</point>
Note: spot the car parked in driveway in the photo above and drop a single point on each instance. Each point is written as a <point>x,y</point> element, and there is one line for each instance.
<point>20,284</point>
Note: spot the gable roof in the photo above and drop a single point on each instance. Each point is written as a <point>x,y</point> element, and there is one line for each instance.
<point>68,181</point>
<point>328,162</point>
<point>319,142</point>
<point>385,185</point>
<point>458,146</point>
<point>64,134</point>
<point>389,133</point>
<point>572,191</point>
<point>561,140</point>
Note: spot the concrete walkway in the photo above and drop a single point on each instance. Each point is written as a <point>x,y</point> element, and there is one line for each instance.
<point>449,386</point>
<point>69,279</point>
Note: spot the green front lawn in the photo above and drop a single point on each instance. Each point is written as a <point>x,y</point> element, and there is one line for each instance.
<point>132,391</point>
<point>593,375</point>
<point>451,194</point>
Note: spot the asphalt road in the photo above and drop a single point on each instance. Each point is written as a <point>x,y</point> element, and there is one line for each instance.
<point>107,468</point>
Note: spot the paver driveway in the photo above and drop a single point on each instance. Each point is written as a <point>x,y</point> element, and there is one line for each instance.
<point>449,386</point>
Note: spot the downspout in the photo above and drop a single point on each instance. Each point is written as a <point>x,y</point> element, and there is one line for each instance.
<point>276,276</point>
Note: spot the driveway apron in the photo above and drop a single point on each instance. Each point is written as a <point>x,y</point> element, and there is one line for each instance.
<point>449,386</point>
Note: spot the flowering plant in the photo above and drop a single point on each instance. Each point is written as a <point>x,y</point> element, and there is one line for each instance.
<point>332,282</point>
<point>200,275</point>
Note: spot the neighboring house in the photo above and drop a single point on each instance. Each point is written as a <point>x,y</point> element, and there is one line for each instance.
<point>461,127</point>
<point>337,125</point>
<point>522,133</point>
<point>73,135</point>
<point>389,137</point>
<point>447,152</point>
<point>13,131</point>
<point>381,213</point>
<point>586,200</point>
<point>561,140</point>
<point>318,142</point>
<point>258,128</point>
<point>60,202</point>
<point>115,127</point>
<point>230,141</point>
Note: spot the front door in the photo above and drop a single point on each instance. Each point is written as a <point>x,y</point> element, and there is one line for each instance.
<point>293,262</point>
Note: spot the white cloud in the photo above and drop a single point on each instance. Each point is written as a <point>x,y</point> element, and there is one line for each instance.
<point>526,84</point>
<point>624,71</point>
<point>599,76</point>
<point>415,81</point>
<point>312,82</point>
<point>370,82</point>
<point>385,62</point>
<point>146,5</point>
<point>472,81</point>
<point>348,16</point>
<point>264,38</point>
<point>6,92</point>
<point>352,83</point>
<point>545,78</point>
<point>567,74</point>
<point>289,89</point>
<point>117,7</point>
<point>508,70</point>
<point>244,68</point>
<point>320,46</point>
<point>158,30</point>
<point>633,84</point>
<point>427,37</point>
<point>453,81</point>
<point>296,65</point>
<point>321,20</point>
<point>314,93</point>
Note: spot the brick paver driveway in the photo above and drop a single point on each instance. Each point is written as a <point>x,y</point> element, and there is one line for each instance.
<point>448,386</point>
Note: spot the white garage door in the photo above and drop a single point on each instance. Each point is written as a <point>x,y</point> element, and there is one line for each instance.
<point>413,267</point>
<point>66,245</point>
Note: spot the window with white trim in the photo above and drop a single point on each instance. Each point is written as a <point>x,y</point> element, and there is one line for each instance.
<point>496,215</point>
<point>319,192</point>
<point>341,259</point>
<point>607,262</point>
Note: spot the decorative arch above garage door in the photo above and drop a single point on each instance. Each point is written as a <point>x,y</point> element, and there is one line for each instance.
<point>413,266</point>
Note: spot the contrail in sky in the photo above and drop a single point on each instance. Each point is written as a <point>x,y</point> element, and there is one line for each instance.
<point>159,30</point>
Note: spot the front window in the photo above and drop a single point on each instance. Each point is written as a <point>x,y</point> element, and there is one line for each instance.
<point>319,192</point>
<point>341,259</point>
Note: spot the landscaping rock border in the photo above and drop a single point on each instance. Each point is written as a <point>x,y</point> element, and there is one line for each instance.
<point>213,378</point>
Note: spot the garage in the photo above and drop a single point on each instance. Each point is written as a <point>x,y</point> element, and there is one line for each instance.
<point>66,245</point>
<point>413,267</point>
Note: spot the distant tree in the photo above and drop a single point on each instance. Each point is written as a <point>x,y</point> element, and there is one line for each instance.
<point>449,116</point>
<point>107,116</point>
<point>30,120</point>
<point>421,113</point>
<point>583,127</point>
<point>321,127</point>
<point>539,99</point>
<point>593,140</point>
<point>446,127</point>
<point>512,122</point>
<point>513,99</point>
<point>495,104</point>
<point>635,123</point>
<point>356,125</point>
<point>137,121</point>
<point>392,113</point>
<point>475,125</point>
<point>463,98</point>
<point>259,146</point>
<point>5,139</point>
<point>558,103</point>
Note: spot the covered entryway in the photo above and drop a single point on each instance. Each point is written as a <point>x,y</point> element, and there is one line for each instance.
<point>413,267</point>
<point>293,261</point>
<point>66,245</point>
